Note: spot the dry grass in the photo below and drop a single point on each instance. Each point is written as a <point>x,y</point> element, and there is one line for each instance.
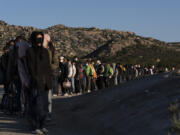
<point>176,122</point>
<point>174,107</point>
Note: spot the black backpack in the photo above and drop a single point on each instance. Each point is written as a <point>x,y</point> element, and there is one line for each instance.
<point>58,72</point>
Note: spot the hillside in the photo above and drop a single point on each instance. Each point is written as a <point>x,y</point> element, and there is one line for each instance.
<point>146,55</point>
<point>121,46</point>
<point>78,41</point>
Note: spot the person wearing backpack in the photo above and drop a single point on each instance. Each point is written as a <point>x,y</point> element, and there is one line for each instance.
<point>100,74</point>
<point>93,77</point>
<point>111,76</point>
<point>88,76</point>
<point>77,79</point>
<point>81,75</point>
<point>47,44</point>
<point>108,75</point>
<point>63,73</point>
<point>115,75</point>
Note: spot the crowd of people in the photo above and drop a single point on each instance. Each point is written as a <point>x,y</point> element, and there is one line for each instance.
<point>32,73</point>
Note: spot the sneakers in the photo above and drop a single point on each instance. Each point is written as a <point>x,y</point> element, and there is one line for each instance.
<point>78,94</point>
<point>88,91</point>
<point>66,94</point>
<point>38,132</point>
<point>44,130</point>
<point>54,95</point>
<point>48,117</point>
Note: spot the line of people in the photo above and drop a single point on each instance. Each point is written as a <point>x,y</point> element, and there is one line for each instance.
<point>88,76</point>
<point>28,67</point>
<point>32,73</point>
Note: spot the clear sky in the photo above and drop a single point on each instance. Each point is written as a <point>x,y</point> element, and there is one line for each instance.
<point>151,18</point>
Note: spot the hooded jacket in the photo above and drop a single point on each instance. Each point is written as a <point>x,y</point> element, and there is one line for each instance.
<point>12,67</point>
<point>38,62</point>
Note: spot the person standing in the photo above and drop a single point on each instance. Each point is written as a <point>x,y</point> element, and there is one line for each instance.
<point>63,73</point>
<point>71,75</point>
<point>47,44</point>
<point>100,74</point>
<point>40,72</point>
<point>88,76</point>
<point>12,74</point>
<point>94,77</point>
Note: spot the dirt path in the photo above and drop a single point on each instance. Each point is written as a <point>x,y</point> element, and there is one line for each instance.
<point>135,108</point>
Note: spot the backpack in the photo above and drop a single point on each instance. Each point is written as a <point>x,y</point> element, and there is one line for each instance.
<point>93,72</point>
<point>111,71</point>
<point>81,73</point>
<point>58,72</point>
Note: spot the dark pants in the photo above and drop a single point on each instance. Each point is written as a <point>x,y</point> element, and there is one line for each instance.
<point>17,84</point>
<point>107,82</point>
<point>37,109</point>
<point>93,84</point>
<point>63,91</point>
<point>100,82</point>
<point>55,85</point>
<point>6,87</point>
<point>82,85</point>
<point>77,85</point>
<point>88,79</point>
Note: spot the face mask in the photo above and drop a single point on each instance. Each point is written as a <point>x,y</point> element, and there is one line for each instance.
<point>11,47</point>
<point>17,44</point>
<point>61,61</point>
<point>39,41</point>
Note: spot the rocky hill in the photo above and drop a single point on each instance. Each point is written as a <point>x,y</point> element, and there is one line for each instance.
<point>78,41</point>
<point>84,42</point>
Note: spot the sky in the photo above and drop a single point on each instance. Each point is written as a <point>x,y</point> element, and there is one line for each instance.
<point>150,18</point>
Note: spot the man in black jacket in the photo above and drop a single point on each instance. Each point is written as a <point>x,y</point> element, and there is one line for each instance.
<point>40,75</point>
<point>12,74</point>
<point>4,65</point>
<point>64,73</point>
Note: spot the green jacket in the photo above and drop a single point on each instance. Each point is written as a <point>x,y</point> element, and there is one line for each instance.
<point>108,71</point>
<point>88,70</point>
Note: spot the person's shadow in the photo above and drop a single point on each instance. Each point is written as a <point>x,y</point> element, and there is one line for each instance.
<point>10,124</point>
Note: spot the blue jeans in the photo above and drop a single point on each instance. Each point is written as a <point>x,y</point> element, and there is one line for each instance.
<point>120,79</point>
<point>50,101</point>
<point>55,85</point>
<point>72,85</point>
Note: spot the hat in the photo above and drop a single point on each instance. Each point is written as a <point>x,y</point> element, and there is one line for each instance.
<point>61,58</point>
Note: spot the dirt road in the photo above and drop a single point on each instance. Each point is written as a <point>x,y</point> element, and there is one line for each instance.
<point>138,107</point>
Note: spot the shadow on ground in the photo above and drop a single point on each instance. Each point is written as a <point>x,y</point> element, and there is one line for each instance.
<point>134,108</point>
